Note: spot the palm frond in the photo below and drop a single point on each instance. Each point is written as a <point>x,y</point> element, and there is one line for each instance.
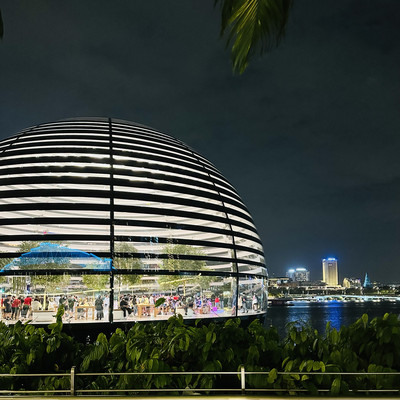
<point>252,27</point>
<point>227,7</point>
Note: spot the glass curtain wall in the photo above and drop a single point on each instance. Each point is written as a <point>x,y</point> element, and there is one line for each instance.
<point>105,217</point>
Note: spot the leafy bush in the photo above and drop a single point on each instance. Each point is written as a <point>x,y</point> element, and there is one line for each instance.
<point>365,346</point>
<point>25,349</point>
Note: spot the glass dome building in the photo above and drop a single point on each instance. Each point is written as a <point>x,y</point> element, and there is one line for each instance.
<point>106,209</point>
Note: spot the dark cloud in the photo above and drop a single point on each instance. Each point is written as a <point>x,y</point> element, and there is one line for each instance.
<point>308,135</point>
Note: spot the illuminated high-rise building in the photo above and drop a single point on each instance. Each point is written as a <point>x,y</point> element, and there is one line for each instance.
<point>330,271</point>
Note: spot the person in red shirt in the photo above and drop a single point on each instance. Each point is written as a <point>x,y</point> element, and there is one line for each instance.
<point>217,301</point>
<point>26,307</point>
<point>15,308</point>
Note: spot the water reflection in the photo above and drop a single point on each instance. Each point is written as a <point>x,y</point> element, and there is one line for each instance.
<point>299,313</point>
<point>317,314</point>
<point>333,313</point>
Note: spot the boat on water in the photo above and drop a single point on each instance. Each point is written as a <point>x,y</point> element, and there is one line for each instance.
<point>280,301</point>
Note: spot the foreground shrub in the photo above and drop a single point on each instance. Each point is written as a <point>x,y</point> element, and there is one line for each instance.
<point>174,346</point>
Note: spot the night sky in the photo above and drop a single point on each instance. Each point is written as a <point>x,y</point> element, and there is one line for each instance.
<point>309,135</point>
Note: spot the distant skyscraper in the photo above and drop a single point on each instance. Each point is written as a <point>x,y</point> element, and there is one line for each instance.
<point>330,271</point>
<point>298,274</point>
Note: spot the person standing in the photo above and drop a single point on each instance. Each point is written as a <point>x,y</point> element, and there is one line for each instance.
<point>106,306</point>
<point>255,303</point>
<point>217,301</point>
<point>71,305</point>
<point>240,303</point>
<point>98,305</point>
<point>63,303</point>
<point>15,305</point>
<point>244,304</point>
<point>134,305</point>
<point>26,306</point>
<point>7,307</point>
<point>124,306</point>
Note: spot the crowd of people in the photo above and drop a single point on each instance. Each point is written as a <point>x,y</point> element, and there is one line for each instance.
<point>19,307</point>
<point>186,305</point>
<point>132,305</point>
<point>75,307</point>
<point>246,303</point>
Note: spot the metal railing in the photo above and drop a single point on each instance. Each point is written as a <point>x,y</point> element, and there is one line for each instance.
<point>73,390</point>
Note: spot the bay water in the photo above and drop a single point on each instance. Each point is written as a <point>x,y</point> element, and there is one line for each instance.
<point>317,314</point>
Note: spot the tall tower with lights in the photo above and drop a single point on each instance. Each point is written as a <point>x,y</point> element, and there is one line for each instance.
<point>330,271</point>
<point>367,282</point>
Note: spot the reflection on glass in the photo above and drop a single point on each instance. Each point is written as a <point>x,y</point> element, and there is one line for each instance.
<point>177,273</point>
<point>191,295</point>
<point>252,296</point>
<point>175,263</point>
<point>54,256</point>
<point>38,297</point>
<point>125,256</point>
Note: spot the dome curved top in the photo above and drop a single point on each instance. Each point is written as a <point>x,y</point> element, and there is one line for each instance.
<point>116,189</point>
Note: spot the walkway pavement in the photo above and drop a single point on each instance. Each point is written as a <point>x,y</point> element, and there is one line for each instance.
<point>197,397</point>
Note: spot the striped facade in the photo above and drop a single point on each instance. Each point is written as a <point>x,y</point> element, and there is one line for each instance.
<point>126,193</point>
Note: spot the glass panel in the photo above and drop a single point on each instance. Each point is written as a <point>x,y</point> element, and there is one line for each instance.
<point>240,241</point>
<point>156,233</point>
<point>247,232</point>
<point>200,209</point>
<point>54,229</point>
<point>252,295</point>
<point>249,256</point>
<point>172,257</point>
<point>192,296</point>
<point>38,297</point>
<point>169,219</point>
<point>252,269</point>
<point>54,256</point>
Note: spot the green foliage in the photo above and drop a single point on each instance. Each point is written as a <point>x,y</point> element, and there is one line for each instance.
<point>124,260</point>
<point>18,283</point>
<point>28,245</point>
<point>96,282</point>
<point>26,349</point>
<point>253,27</point>
<point>175,263</point>
<point>174,346</point>
<point>4,261</point>
<point>159,302</point>
<point>51,283</point>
